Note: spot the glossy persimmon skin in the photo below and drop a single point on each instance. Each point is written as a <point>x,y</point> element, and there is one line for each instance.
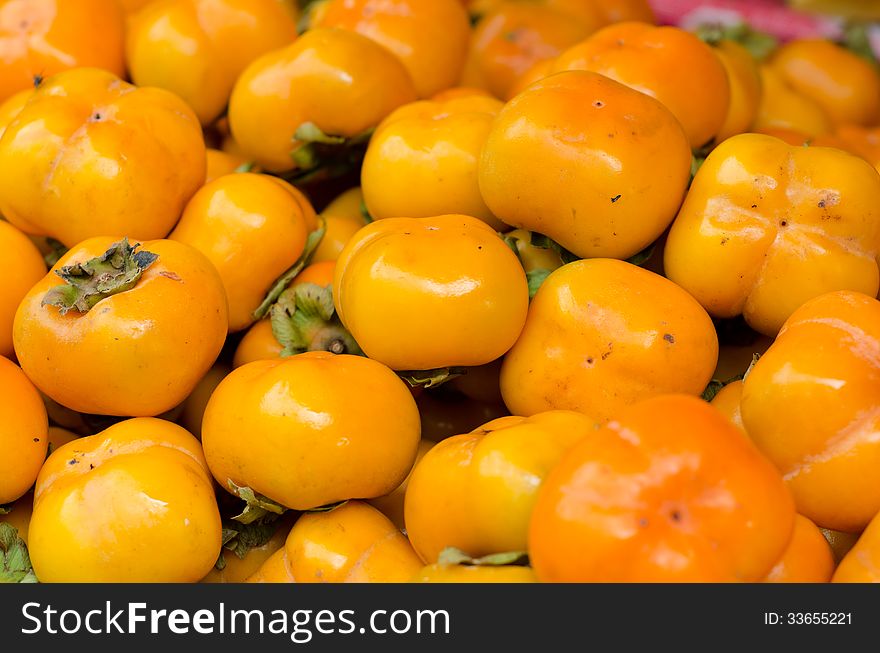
<point>475,492</point>
<point>640,55</point>
<point>12,106</point>
<point>595,165</point>
<point>23,433</point>
<point>345,84</point>
<point>602,334</point>
<point>132,493</point>
<point>514,37</point>
<point>392,504</point>
<point>139,352</point>
<point>39,38</point>
<point>253,229</point>
<point>810,404</point>
<point>198,48</point>
<point>430,38</point>
<point>861,564</point>
<point>221,163</point>
<point>258,344</point>
<point>324,428</point>
<point>354,543</point>
<point>728,402</point>
<point>193,408</point>
<point>843,84</point>
<point>767,226</point>
<point>90,155</point>
<point>22,256</point>
<point>424,158</point>
<point>744,75</point>
<point>808,558</point>
<point>670,491</point>
<point>428,293</point>
<point>783,107</point>
<point>863,141</point>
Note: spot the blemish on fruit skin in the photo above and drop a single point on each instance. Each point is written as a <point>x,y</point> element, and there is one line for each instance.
<point>615,198</point>
<point>668,337</point>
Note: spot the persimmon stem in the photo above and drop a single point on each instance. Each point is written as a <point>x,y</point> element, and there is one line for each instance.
<point>304,319</point>
<point>85,284</point>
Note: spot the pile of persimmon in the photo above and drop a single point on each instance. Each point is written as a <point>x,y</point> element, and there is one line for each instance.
<point>410,291</point>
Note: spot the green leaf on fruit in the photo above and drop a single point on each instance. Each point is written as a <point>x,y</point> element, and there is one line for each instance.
<point>257,507</point>
<point>452,556</point>
<point>365,213</point>
<point>759,44</point>
<point>15,563</point>
<point>715,386</point>
<point>285,279</point>
<point>304,319</point>
<point>85,284</point>
<point>329,507</point>
<point>431,378</point>
<point>545,242</point>
<point>536,279</point>
<point>240,539</point>
<point>247,166</point>
<point>317,154</point>
<point>57,249</point>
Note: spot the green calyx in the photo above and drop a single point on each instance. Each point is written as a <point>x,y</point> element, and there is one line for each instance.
<point>545,242</point>
<point>697,161</point>
<point>857,39</point>
<point>306,8</point>
<point>284,280</point>
<point>759,44</point>
<point>239,539</point>
<point>431,378</point>
<point>716,385</point>
<point>536,279</point>
<point>304,319</point>
<point>330,507</point>
<point>57,249</point>
<point>15,563</point>
<point>85,284</point>
<point>365,213</point>
<point>452,556</point>
<point>258,508</point>
<point>247,166</point>
<point>318,155</point>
